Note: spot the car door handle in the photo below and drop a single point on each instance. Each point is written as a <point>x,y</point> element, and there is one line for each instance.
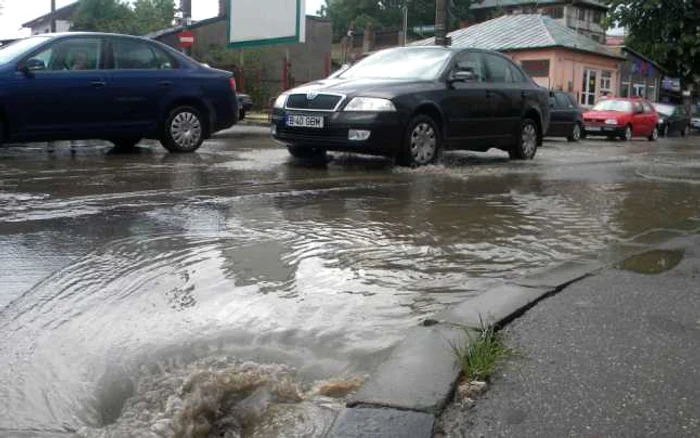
<point>166,83</point>
<point>98,84</point>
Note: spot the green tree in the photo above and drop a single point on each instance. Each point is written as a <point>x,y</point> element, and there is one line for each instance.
<point>387,14</point>
<point>120,17</point>
<point>668,31</point>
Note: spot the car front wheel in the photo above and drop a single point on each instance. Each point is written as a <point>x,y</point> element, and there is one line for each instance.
<point>654,134</point>
<point>684,132</point>
<point>183,130</point>
<point>525,147</point>
<point>421,144</point>
<point>627,135</point>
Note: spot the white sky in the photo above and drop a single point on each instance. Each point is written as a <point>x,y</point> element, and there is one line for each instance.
<point>16,12</point>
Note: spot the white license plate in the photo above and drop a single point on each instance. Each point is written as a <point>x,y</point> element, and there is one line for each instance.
<point>305,121</point>
<point>593,128</point>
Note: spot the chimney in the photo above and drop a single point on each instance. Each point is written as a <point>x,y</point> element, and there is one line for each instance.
<point>222,8</point>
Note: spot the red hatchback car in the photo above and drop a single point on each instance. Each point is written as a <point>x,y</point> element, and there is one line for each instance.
<point>622,118</point>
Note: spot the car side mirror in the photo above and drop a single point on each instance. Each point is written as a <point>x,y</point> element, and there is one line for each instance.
<point>464,76</point>
<point>32,65</point>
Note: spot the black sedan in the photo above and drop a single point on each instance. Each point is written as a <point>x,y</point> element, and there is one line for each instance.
<point>411,103</point>
<point>673,119</point>
<point>566,117</point>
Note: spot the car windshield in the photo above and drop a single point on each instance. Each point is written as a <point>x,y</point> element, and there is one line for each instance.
<point>401,63</point>
<point>622,106</point>
<point>666,110</point>
<point>12,51</point>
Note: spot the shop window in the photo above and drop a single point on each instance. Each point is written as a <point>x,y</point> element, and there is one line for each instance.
<point>606,82</point>
<point>536,68</point>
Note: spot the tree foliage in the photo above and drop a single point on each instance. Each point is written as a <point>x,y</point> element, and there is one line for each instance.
<point>142,17</point>
<point>386,14</point>
<point>668,31</point>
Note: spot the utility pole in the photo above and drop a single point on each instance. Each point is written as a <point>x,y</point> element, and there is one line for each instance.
<point>53,16</point>
<point>441,23</point>
<point>405,23</point>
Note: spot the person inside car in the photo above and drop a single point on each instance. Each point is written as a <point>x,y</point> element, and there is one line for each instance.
<point>79,61</point>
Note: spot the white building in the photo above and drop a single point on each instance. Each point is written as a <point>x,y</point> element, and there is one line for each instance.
<point>63,16</point>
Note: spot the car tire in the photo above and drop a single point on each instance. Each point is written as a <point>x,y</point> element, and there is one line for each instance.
<point>664,131</point>
<point>241,115</point>
<point>306,152</point>
<point>125,144</point>
<point>422,142</point>
<point>576,133</point>
<point>525,146</point>
<point>684,131</point>
<point>654,134</point>
<point>184,130</point>
<point>627,134</point>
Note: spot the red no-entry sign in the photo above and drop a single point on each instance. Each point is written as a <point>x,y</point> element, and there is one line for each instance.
<point>186,39</point>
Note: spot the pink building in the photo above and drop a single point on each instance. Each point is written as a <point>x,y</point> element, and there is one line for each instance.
<point>554,55</point>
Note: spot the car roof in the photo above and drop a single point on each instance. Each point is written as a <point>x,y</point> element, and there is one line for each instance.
<point>94,34</point>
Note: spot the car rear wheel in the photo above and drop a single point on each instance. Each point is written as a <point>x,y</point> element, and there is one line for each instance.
<point>664,131</point>
<point>525,147</point>
<point>654,134</point>
<point>576,133</point>
<point>183,130</point>
<point>421,144</point>
<point>306,152</point>
<point>684,132</point>
<point>627,135</point>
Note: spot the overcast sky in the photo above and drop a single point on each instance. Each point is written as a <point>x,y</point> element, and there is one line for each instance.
<point>16,12</point>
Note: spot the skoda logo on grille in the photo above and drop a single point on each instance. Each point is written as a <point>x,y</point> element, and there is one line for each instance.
<point>312,95</point>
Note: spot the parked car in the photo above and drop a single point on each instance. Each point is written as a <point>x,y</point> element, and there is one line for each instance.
<point>410,103</point>
<point>623,119</point>
<point>695,121</point>
<point>245,104</point>
<point>673,119</point>
<point>566,117</point>
<point>75,86</point>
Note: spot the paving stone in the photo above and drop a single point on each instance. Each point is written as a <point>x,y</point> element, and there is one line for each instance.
<point>419,375</point>
<point>382,423</point>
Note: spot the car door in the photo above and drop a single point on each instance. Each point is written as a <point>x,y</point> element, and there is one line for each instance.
<point>63,96</point>
<point>505,98</point>
<point>650,118</point>
<point>559,117</point>
<point>465,103</point>
<point>639,120</point>
<point>141,78</point>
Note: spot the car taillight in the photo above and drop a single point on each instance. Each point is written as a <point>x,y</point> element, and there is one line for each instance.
<point>232,83</point>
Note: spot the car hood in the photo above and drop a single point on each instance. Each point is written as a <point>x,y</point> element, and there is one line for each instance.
<point>603,114</point>
<point>362,87</point>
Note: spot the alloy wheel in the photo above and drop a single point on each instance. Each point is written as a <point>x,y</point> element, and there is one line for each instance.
<point>628,133</point>
<point>186,129</point>
<point>576,135</point>
<point>423,143</point>
<point>529,140</point>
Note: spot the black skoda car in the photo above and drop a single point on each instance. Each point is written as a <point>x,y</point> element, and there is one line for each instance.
<point>411,103</point>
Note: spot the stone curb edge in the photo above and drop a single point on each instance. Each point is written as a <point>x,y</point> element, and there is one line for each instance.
<point>407,392</point>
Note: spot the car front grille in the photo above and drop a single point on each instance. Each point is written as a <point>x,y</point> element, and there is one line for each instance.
<point>321,102</point>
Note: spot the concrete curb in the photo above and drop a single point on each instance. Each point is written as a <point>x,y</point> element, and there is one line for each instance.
<point>420,375</point>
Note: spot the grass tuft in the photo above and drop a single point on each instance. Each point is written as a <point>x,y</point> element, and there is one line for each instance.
<point>481,352</point>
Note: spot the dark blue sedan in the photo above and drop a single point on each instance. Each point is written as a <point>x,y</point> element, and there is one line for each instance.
<point>78,86</point>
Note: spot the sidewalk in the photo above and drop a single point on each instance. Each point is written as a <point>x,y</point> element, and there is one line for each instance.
<point>613,355</point>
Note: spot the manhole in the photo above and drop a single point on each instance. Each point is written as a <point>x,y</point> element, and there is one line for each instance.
<point>652,262</point>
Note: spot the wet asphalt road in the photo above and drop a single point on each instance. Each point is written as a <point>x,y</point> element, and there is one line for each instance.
<point>116,262</point>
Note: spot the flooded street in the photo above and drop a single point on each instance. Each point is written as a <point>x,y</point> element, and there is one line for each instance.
<point>136,288</point>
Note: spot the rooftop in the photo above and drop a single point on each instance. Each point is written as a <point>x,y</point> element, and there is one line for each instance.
<point>64,13</point>
<point>523,32</point>
<point>487,4</point>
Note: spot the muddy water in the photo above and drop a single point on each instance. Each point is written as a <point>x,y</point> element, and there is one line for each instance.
<point>137,289</point>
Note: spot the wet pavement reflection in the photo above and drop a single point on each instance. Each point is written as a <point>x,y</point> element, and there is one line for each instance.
<point>116,265</point>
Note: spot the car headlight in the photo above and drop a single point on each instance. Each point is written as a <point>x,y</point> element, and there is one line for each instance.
<point>611,122</point>
<point>281,101</point>
<point>370,104</point>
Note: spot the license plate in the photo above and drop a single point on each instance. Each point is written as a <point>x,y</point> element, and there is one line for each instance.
<point>593,128</point>
<point>305,121</point>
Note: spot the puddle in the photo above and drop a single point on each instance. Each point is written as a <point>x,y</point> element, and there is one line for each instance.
<point>652,262</point>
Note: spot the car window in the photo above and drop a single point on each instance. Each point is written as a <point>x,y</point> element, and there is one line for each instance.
<point>164,61</point>
<point>137,55</point>
<point>562,101</point>
<point>638,107</point>
<point>518,75</point>
<point>72,54</point>
<point>572,99</point>
<point>648,108</point>
<point>498,68</point>
<point>471,61</point>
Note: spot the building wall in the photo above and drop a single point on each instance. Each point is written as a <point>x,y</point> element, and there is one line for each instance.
<point>567,67</point>
<point>639,77</point>
<point>308,61</point>
<point>61,26</point>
